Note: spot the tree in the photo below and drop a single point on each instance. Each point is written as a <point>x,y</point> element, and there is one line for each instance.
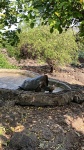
<point>59,14</point>
<point>55,13</point>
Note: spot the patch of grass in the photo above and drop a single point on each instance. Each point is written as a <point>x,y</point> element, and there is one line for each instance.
<point>12,51</point>
<point>4,63</point>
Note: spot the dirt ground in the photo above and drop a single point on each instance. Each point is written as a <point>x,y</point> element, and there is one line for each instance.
<point>55,128</point>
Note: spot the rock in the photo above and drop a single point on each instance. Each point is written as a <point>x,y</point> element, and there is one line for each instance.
<point>21,141</point>
<point>1,103</point>
<point>47,134</point>
<point>66,140</point>
<point>70,140</point>
<point>78,98</point>
<point>41,99</point>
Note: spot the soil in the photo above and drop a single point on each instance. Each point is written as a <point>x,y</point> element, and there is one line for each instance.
<point>55,128</point>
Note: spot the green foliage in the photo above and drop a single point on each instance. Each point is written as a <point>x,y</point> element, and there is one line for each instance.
<point>58,14</point>
<point>41,44</point>
<point>81,54</point>
<point>12,51</point>
<point>80,43</point>
<point>4,63</point>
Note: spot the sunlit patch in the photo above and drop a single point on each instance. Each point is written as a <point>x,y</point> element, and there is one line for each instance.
<point>50,117</point>
<point>77,123</point>
<point>3,137</point>
<point>34,121</point>
<point>19,128</point>
<point>2,130</point>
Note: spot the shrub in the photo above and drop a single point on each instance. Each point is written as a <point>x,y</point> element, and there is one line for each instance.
<point>39,43</point>
<point>26,51</point>
<point>80,42</point>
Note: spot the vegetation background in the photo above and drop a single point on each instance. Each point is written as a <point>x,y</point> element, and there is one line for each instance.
<point>38,43</point>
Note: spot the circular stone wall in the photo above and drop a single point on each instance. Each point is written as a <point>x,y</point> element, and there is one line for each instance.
<point>11,79</point>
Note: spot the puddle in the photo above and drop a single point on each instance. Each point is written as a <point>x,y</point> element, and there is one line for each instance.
<point>57,89</point>
<point>11,80</point>
<point>14,79</point>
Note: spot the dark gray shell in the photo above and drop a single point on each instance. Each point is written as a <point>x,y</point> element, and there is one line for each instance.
<point>34,83</point>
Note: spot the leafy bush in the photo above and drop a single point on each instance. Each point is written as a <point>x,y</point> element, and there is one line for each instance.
<point>26,51</point>
<point>41,44</point>
<point>80,42</point>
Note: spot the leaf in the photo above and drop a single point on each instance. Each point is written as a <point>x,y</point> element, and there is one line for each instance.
<point>60,30</point>
<point>81,1</point>
<point>56,13</point>
<point>32,25</point>
<point>19,30</point>
<point>51,30</point>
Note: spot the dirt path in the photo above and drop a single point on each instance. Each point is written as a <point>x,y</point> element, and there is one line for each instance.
<point>52,128</point>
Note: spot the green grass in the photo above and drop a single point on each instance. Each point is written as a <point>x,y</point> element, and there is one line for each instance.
<point>4,63</point>
<point>12,51</point>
